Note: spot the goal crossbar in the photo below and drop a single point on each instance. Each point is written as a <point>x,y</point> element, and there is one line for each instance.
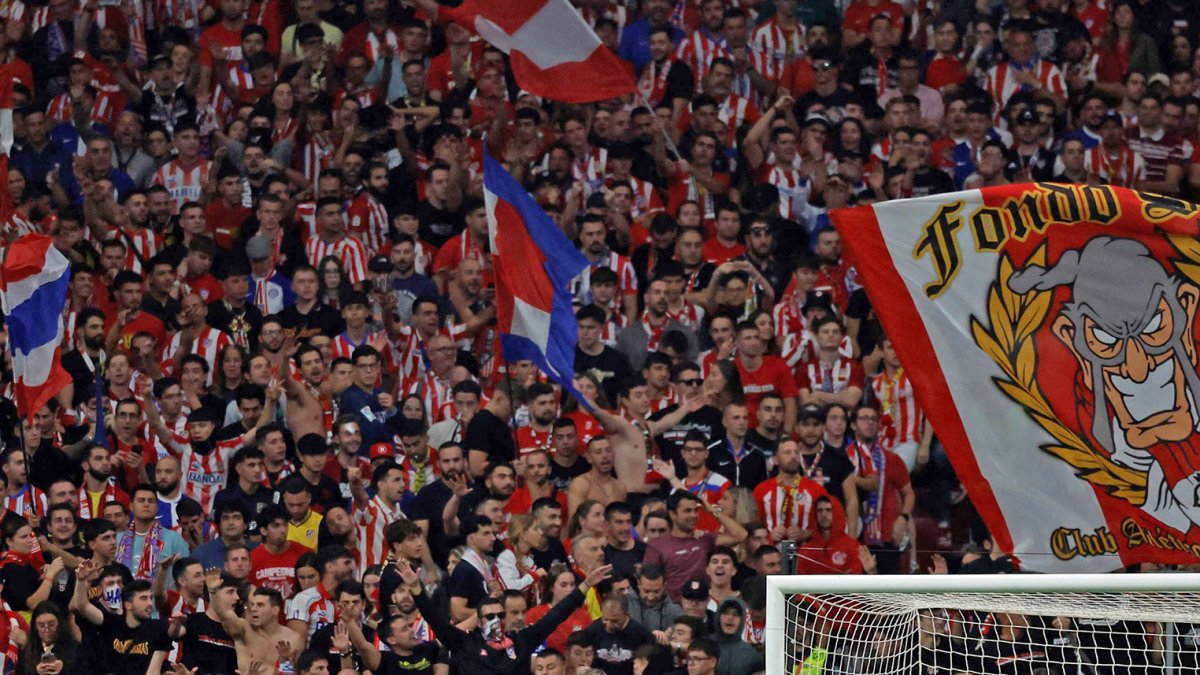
<point>1007,592</point>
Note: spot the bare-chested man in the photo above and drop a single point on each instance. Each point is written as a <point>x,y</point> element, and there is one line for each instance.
<point>259,637</point>
<point>600,483</point>
<point>309,401</point>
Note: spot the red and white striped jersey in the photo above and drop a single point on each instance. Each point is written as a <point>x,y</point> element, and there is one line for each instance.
<point>103,108</point>
<point>208,344</point>
<point>205,475</point>
<point>242,80</point>
<point>789,317</point>
<point>434,393</point>
<point>788,506</point>
<point>698,51</point>
<point>840,375</point>
<point>366,96</point>
<point>734,111</point>
<point>182,13</point>
<point>626,277</point>
<point>313,606</point>
<point>1002,81</point>
<point>668,399</point>
<point>900,416</point>
<point>646,200</point>
<point>779,45</point>
<point>139,246</point>
<point>315,156</point>
<point>690,315</point>
<point>350,251</point>
<point>530,439</point>
<point>1125,169</point>
<point>612,328</point>
<point>306,219</point>
<point>373,48</point>
<point>371,521</point>
<point>764,65</point>
<point>367,220</point>
<point>178,430</point>
<point>184,184</point>
<point>29,502</point>
<point>178,606</point>
<point>590,166</point>
<point>410,349</point>
<point>793,186</point>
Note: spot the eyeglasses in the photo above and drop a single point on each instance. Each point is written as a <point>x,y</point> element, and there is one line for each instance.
<point>759,232</point>
<point>692,382</point>
<point>494,615</point>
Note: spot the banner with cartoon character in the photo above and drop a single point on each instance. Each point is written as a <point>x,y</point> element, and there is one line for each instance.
<point>1050,334</point>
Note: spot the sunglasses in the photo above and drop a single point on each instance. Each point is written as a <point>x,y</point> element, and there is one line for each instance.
<point>759,232</point>
<point>822,66</point>
<point>695,381</point>
<point>494,615</point>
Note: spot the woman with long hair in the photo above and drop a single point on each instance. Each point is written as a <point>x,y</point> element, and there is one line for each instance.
<point>560,582</point>
<point>413,408</point>
<point>762,319</point>
<point>588,519</point>
<point>724,384</point>
<point>231,372</point>
<point>332,280</point>
<point>27,579</point>
<point>49,642</point>
<point>1124,48</point>
<point>850,135</point>
<point>517,568</point>
<point>280,106</point>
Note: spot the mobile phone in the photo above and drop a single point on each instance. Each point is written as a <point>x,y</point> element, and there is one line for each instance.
<point>48,657</point>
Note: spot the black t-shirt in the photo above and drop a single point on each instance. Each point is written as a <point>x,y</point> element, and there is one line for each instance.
<point>931,182</point>
<point>437,226</point>
<point>554,553</point>
<point>49,464</point>
<point>490,434</point>
<point>325,494</point>
<point>562,476</point>
<point>467,582</point>
<point>206,646</point>
<point>706,420</point>
<point>134,647</point>
<point>836,100</point>
<point>321,642</point>
<point>84,377</point>
<point>614,651</point>
<point>625,562</point>
<point>19,582</point>
<point>427,505</point>
<point>321,318</point>
<point>832,468</point>
<point>610,368</point>
<point>761,443</point>
<point>420,662</point>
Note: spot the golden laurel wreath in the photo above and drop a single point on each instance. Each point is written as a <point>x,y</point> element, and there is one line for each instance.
<point>1015,319</point>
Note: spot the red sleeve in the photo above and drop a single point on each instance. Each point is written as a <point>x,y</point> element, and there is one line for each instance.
<point>784,379</point>
<point>447,258</point>
<point>857,377</point>
<point>897,472</point>
<point>206,39</point>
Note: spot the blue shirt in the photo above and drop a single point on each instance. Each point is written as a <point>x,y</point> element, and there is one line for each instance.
<point>173,544</point>
<point>635,43</point>
<point>213,553</point>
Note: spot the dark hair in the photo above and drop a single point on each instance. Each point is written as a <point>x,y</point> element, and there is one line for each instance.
<point>651,572</point>
<point>703,644</point>
<point>473,524</point>
<point>678,497</point>
<point>180,566</point>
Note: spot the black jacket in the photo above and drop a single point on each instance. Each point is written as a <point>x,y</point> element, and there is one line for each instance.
<point>475,656</point>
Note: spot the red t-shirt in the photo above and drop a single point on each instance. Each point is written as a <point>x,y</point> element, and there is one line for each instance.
<point>577,621</point>
<point>798,77</point>
<point>837,555</point>
<point>276,571</point>
<point>859,14</point>
<point>225,223</point>
<point>521,502</point>
<point>207,287</point>
<point>773,376</point>
<point>231,40</point>
<point>717,253</point>
<point>143,322</point>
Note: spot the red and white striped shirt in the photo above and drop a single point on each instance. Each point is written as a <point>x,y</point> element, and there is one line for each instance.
<point>698,51</point>
<point>139,246</point>
<point>840,375</point>
<point>779,45</point>
<point>315,156</point>
<point>736,110</point>
<point>371,521</point>
<point>306,218</point>
<point>626,277</point>
<point>350,251</point>
<point>434,393</point>
<point>410,349</point>
<point>314,607</point>
<point>178,606</point>
<point>690,315</point>
<point>1125,170</point>
<point>591,166</point>
<point>184,185</point>
<point>205,475</point>
<point>103,108</point>
<point>898,409</point>
<point>793,186</point>
<point>29,502</point>
<point>1002,81</point>
<point>367,220</point>
<point>788,506</point>
<point>208,344</point>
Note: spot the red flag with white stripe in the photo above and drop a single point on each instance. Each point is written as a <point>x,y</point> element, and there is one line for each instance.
<point>554,53</point>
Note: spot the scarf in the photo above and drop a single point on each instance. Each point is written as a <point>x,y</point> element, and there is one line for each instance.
<point>85,502</point>
<point>152,546</point>
<point>14,558</point>
<point>56,41</point>
<point>653,83</point>
<point>871,506</point>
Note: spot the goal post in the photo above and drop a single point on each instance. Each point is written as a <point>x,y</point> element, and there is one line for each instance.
<point>1052,623</point>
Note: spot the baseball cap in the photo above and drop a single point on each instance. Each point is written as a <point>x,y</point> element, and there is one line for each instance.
<point>696,589</point>
<point>817,300</point>
<point>1112,116</point>
<point>596,201</point>
<point>812,412</point>
<point>1027,116</point>
<point>382,451</point>
<point>380,264</point>
<point>258,248</point>
<point>815,119</point>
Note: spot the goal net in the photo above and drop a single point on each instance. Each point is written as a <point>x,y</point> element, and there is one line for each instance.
<point>1005,624</point>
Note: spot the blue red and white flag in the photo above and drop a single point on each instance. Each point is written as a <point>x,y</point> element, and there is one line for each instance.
<point>1050,334</point>
<point>33,288</point>
<point>534,263</point>
<point>554,53</point>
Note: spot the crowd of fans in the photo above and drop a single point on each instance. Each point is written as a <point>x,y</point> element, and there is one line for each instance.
<point>291,442</point>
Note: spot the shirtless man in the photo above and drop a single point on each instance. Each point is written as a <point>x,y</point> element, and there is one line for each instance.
<point>308,399</point>
<point>259,638</point>
<point>601,483</point>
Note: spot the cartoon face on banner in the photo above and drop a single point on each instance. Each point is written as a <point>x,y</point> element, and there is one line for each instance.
<point>1077,306</point>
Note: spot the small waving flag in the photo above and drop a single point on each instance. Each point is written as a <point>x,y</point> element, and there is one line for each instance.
<point>554,53</point>
<point>534,264</point>
<point>33,288</point>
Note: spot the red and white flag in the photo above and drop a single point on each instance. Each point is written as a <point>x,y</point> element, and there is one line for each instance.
<point>1050,334</point>
<point>554,53</point>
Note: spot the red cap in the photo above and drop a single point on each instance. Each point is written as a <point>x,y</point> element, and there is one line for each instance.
<point>382,450</point>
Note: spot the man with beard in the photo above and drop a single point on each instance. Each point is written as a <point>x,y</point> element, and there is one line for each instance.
<point>133,634</point>
<point>206,646</point>
<point>499,483</point>
<point>19,496</point>
<point>542,408</point>
<point>786,502</point>
<point>98,488</point>
<point>87,358</point>
<point>166,482</point>
<point>643,336</point>
<point>366,217</point>
<point>685,378</point>
<point>830,550</point>
<point>406,281</point>
<point>825,465</point>
<point>259,636</point>
<point>160,281</point>
<point>147,543</point>
<point>537,484</point>
<point>471,243</point>
<point>131,319</point>
<point>426,509</point>
<point>408,650</point>
<point>593,245</point>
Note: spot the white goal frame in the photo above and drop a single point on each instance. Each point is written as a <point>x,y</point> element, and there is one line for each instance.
<point>779,587</point>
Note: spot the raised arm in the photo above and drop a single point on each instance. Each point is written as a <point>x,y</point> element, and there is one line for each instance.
<point>230,621</point>
<point>85,574</point>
